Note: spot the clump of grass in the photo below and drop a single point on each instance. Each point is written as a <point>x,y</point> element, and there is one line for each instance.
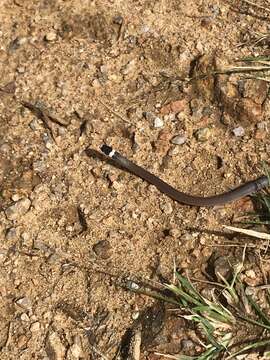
<point>254,67</point>
<point>262,202</point>
<point>218,319</point>
<point>262,214</point>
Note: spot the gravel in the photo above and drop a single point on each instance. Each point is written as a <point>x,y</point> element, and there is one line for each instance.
<point>178,140</point>
<point>24,303</point>
<point>102,249</point>
<point>222,267</point>
<point>239,131</point>
<point>18,209</point>
<point>202,134</point>
<point>158,122</point>
<point>12,233</point>
<point>51,36</point>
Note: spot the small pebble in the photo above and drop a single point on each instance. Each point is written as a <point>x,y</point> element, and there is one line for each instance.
<point>103,70</point>
<point>15,197</point>
<point>132,285</point>
<point>25,317</point>
<point>16,43</point>
<point>251,274</point>
<point>26,238</point>
<point>35,125</point>
<point>96,83</point>
<point>12,234</point>
<point>69,228</point>
<point>5,148</point>
<point>170,117</point>
<point>35,327</point>
<point>76,348</point>
<point>188,237</point>
<point>118,186</point>
<point>22,40</point>
<point>48,141</point>
<point>76,351</point>
<point>179,105</point>
<point>18,209</point>
<point>135,315</point>
<point>51,36</point>
<point>202,134</point>
<point>250,291</point>
<point>61,131</point>
<point>55,346</point>
<point>149,116</point>
<point>174,151</point>
<point>179,140</point>
<point>129,67</point>
<point>262,125</point>
<point>222,267</point>
<point>145,29</point>
<point>166,208</point>
<point>207,293</point>
<point>39,166</point>
<point>20,69</point>
<point>239,131</point>
<point>175,233</point>
<point>158,122</point>
<point>22,341</point>
<point>102,249</point>
<point>3,254</point>
<point>200,47</point>
<point>24,303</point>
<point>187,345</point>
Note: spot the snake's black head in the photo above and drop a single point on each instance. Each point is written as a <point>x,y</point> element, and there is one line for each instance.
<point>106,149</point>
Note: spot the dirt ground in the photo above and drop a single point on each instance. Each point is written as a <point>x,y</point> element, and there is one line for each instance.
<point>74,75</point>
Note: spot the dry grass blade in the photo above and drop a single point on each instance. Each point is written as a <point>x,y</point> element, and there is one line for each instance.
<point>114,112</point>
<point>256,5</point>
<point>259,78</point>
<point>265,67</point>
<point>253,233</point>
<point>241,69</point>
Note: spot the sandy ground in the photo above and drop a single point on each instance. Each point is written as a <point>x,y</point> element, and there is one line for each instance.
<point>71,224</point>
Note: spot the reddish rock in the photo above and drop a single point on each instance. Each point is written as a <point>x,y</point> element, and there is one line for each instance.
<point>249,111</point>
<point>256,90</point>
<point>204,86</point>
<point>175,107</point>
<point>179,106</point>
<point>162,144</point>
<point>165,110</point>
<point>260,134</point>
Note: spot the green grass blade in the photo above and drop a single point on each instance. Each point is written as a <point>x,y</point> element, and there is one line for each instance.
<point>248,347</point>
<point>254,58</point>
<point>212,314</point>
<point>259,311</point>
<point>187,286</point>
<point>179,292</point>
<point>204,324</point>
<point>153,294</point>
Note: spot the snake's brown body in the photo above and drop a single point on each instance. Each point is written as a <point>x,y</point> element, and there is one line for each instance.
<point>232,195</point>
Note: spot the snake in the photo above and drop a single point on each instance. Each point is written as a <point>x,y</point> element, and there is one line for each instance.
<point>239,192</point>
